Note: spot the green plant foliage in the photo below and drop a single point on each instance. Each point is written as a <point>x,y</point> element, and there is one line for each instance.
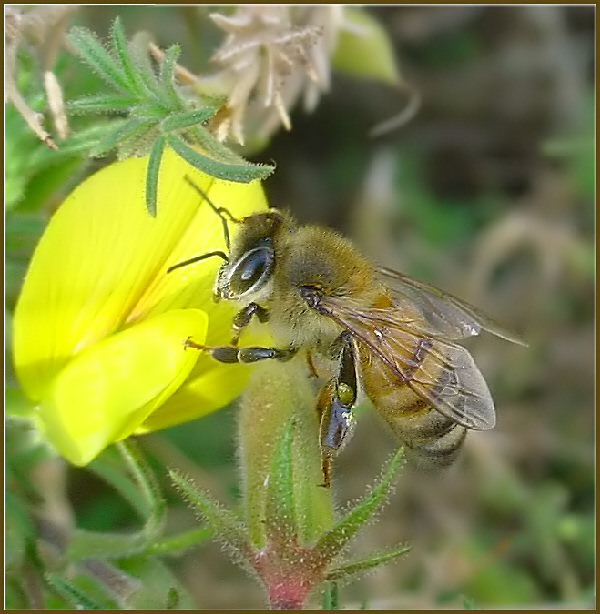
<point>158,114</point>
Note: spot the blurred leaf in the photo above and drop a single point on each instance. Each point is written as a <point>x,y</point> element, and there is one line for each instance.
<point>19,531</point>
<point>364,49</point>
<point>159,585</point>
<point>75,596</point>
<point>17,404</point>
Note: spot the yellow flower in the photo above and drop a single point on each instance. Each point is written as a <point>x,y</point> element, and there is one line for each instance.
<point>100,327</point>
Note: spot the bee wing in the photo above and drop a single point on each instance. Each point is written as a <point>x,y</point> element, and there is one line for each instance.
<point>440,372</point>
<point>442,314</point>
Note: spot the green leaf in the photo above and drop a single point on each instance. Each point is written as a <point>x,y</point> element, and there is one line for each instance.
<point>333,542</point>
<point>166,76</point>
<point>132,74</point>
<point>364,49</point>
<point>178,121</point>
<point>158,583</point>
<point>152,175</point>
<point>93,53</point>
<point>222,522</point>
<point>19,533</point>
<point>280,514</point>
<point>17,404</point>
<point>243,173</point>
<point>122,131</point>
<point>176,544</point>
<point>356,567</point>
<point>86,545</point>
<point>101,103</point>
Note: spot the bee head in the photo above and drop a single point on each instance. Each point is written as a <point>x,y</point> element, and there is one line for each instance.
<point>251,260</point>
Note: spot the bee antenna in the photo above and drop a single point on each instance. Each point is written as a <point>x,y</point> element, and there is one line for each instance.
<point>219,253</point>
<point>223,213</point>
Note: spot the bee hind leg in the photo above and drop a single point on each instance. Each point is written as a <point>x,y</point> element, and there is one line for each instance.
<point>334,406</point>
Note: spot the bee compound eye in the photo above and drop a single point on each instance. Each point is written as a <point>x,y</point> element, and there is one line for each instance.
<point>252,271</point>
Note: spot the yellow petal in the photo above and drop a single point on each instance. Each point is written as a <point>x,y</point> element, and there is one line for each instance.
<point>107,391</point>
<point>102,262</point>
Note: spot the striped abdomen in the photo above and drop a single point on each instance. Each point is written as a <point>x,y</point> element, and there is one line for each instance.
<point>430,437</point>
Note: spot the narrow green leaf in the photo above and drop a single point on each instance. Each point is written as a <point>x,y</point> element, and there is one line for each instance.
<point>87,545</point>
<point>109,467</point>
<point>280,515</point>
<point>101,103</point>
<point>152,175</point>
<point>242,173</point>
<point>176,544</point>
<point>78,598</point>
<point>166,77</point>
<point>178,121</point>
<point>332,542</point>
<point>352,568</point>
<point>147,484</point>
<point>132,74</point>
<point>139,52</point>
<point>214,148</point>
<point>94,54</point>
<point>225,525</point>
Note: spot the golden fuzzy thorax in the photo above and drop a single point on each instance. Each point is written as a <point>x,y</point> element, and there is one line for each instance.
<point>321,259</point>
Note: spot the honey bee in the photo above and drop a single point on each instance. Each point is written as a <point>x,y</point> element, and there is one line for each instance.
<point>380,333</point>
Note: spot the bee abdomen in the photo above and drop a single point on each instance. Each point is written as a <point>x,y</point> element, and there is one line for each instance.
<point>438,451</point>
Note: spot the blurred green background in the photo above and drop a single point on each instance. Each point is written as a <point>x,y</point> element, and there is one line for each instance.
<point>488,192</point>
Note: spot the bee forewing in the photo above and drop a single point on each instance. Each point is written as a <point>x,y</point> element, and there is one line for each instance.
<point>443,314</point>
<point>458,389</point>
<point>440,372</point>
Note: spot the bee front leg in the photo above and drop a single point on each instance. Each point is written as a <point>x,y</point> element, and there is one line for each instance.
<point>243,317</point>
<point>232,354</point>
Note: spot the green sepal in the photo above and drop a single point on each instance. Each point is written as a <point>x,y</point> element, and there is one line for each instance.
<point>335,540</point>
<point>353,568</point>
<point>226,527</point>
<point>364,49</point>
<point>277,395</point>
<point>280,513</point>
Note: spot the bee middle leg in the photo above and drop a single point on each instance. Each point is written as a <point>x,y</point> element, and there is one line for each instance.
<point>233,354</point>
